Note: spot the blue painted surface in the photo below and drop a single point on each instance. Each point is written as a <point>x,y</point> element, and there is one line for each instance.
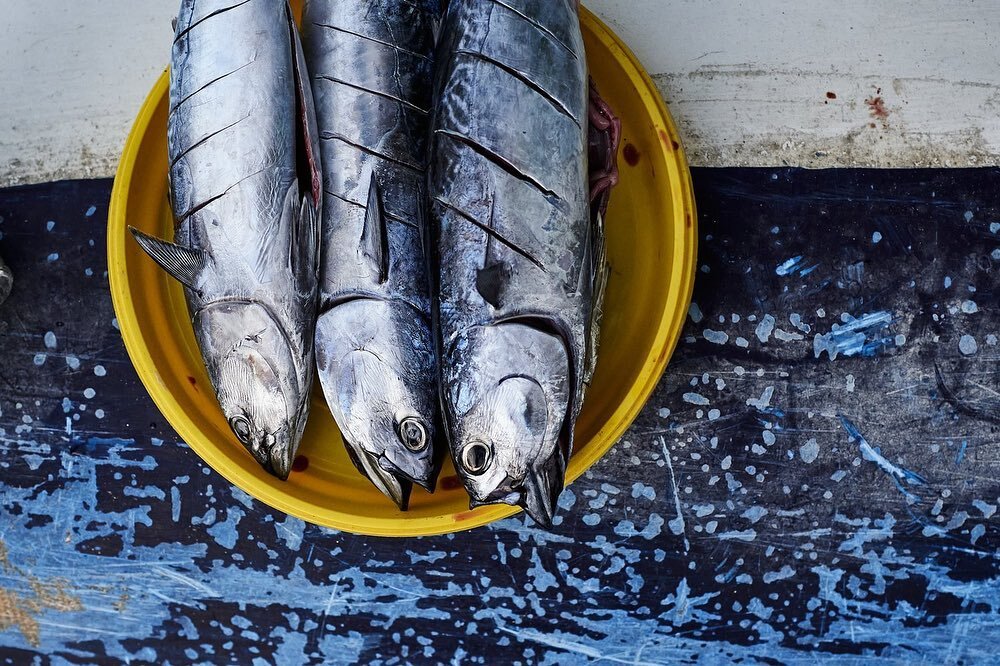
<point>773,503</point>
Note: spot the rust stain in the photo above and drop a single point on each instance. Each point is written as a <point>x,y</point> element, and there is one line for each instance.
<point>192,380</point>
<point>831,95</point>
<point>13,614</point>
<point>53,594</point>
<point>122,601</point>
<point>20,610</point>
<point>687,220</point>
<point>300,464</point>
<point>632,154</point>
<point>465,515</point>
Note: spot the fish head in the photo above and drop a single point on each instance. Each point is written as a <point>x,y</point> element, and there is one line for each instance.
<point>377,367</point>
<point>252,366</point>
<point>507,403</point>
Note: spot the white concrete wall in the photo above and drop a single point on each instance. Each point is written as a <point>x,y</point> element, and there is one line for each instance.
<point>747,80</point>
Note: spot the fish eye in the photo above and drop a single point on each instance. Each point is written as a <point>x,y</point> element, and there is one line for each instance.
<point>413,434</point>
<point>241,426</point>
<point>476,457</point>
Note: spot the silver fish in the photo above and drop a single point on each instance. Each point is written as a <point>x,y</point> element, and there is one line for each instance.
<point>517,254</point>
<point>371,63</point>
<point>246,194</point>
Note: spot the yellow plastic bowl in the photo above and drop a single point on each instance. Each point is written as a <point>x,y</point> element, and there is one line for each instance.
<point>651,230</point>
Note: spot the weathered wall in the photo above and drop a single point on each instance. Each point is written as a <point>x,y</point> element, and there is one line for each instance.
<point>916,83</point>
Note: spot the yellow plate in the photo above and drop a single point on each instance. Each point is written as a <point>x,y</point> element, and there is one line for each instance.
<point>651,233</point>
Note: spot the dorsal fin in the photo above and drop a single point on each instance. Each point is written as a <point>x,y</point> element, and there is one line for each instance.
<point>374,237</point>
<point>495,273</point>
<point>182,263</point>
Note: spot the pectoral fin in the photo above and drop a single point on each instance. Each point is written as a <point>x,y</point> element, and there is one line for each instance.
<point>183,264</point>
<point>374,236</point>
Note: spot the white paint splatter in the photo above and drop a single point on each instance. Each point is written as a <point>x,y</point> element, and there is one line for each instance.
<point>967,345</point>
<point>809,451</point>
<point>695,399</point>
<point>716,337</point>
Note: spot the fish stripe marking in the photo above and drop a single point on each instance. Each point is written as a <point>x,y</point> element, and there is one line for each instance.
<point>330,136</point>
<point>388,216</point>
<point>201,141</point>
<point>492,233</point>
<point>205,18</point>
<point>389,96</point>
<point>523,78</point>
<point>371,39</point>
<point>497,159</point>
<point>210,200</point>
<point>215,80</point>
<point>538,26</point>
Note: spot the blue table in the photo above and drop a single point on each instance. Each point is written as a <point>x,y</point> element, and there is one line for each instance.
<point>817,474</point>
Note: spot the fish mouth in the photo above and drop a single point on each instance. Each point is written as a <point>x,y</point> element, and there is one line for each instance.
<point>276,457</point>
<point>383,474</point>
<point>536,494</point>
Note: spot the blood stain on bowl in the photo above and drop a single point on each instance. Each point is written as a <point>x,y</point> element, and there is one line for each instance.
<point>450,483</point>
<point>632,154</point>
<point>300,464</point>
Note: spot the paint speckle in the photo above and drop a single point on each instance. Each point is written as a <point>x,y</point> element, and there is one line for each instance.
<point>970,307</point>
<point>876,238</point>
<point>50,225</point>
<point>73,362</point>
<point>53,257</point>
<point>809,451</point>
<point>695,399</point>
<point>89,393</point>
<point>695,313</point>
<point>765,328</point>
<point>100,370</point>
<point>788,266</point>
<point>716,337</point>
<point>40,359</point>
<point>861,336</point>
<point>969,215</point>
<point>50,340</point>
<point>994,227</point>
<point>850,383</point>
<point>967,345</point>
<point>90,211</point>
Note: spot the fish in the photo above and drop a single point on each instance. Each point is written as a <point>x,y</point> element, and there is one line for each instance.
<point>518,253</point>
<point>246,193</point>
<point>372,66</point>
<point>6,281</point>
